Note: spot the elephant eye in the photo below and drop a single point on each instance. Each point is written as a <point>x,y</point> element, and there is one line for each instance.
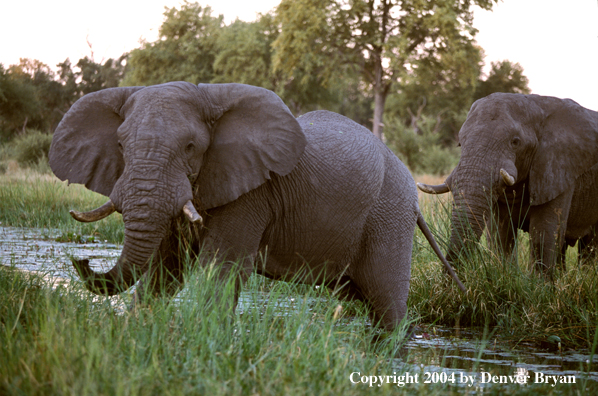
<point>515,142</point>
<point>190,147</point>
<point>120,147</point>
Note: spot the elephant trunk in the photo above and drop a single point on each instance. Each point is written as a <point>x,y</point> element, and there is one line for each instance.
<point>467,222</point>
<point>139,247</point>
<point>132,263</point>
<point>473,196</point>
<point>147,214</point>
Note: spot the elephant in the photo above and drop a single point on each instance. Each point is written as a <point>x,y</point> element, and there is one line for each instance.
<point>528,162</point>
<point>316,198</point>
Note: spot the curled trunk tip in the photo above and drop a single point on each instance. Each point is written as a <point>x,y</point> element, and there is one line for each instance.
<point>94,215</point>
<point>433,189</point>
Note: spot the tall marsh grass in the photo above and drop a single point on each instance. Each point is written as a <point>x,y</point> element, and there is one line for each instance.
<point>502,292</point>
<point>292,340</point>
<point>285,338</point>
<point>31,199</point>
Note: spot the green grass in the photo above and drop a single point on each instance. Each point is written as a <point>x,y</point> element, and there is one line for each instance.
<point>58,341</point>
<point>504,293</point>
<point>288,339</point>
<point>30,199</point>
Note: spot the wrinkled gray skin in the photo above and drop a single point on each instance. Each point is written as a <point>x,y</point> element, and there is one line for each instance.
<point>550,148</point>
<point>325,199</point>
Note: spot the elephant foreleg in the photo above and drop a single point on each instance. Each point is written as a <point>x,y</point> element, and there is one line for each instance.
<point>587,247</point>
<point>548,224</point>
<point>502,232</point>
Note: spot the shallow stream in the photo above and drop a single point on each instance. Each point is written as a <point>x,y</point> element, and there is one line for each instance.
<point>456,357</point>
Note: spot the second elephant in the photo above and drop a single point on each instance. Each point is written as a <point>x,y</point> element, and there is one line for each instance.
<point>527,162</point>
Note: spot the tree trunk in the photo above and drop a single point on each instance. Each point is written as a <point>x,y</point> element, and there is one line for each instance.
<point>379,101</point>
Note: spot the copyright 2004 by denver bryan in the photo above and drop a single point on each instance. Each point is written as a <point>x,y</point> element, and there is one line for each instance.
<point>521,377</point>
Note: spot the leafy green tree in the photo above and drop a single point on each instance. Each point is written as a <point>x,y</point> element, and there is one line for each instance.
<point>244,53</point>
<point>440,88</point>
<point>504,76</point>
<point>185,50</point>
<point>383,39</point>
<point>94,76</point>
<point>33,96</point>
<point>17,103</point>
<point>29,97</point>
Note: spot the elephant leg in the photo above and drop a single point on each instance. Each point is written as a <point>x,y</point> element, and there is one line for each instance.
<point>561,258</point>
<point>547,231</point>
<point>503,231</point>
<point>587,247</point>
<point>382,271</point>
<point>231,239</point>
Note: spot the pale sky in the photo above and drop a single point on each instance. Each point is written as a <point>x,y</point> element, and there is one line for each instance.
<point>555,41</point>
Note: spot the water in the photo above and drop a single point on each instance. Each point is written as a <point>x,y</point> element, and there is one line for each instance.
<point>37,250</point>
<point>455,357</point>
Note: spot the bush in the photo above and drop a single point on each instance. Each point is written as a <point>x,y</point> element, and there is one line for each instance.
<point>421,151</point>
<point>31,149</point>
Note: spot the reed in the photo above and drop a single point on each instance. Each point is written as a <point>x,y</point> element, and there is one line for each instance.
<point>31,199</point>
<point>284,338</point>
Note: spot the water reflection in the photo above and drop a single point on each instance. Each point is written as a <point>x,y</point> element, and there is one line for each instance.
<point>490,362</point>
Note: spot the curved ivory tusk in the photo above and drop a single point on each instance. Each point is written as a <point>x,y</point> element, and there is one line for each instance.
<point>94,215</point>
<point>430,189</point>
<point>508,179</point>
<point>191,213</point>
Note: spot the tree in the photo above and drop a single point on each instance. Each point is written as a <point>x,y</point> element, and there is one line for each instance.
<point>504,76</point>
<point>185,50</point>
<point>244,53</point>
<point>383,39</point>
<point>29,97</point>
<point>439,88</point>
<point>17,103</point>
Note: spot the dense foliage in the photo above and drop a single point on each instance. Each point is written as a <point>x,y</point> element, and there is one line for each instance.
<point>415,62</point>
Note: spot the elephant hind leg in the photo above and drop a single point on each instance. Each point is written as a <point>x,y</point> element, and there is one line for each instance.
<point>383,270</point>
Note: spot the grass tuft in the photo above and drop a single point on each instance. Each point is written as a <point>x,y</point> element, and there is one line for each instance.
<point>501,292</point>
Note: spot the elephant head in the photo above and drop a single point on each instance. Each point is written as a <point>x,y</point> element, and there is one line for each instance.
<point>159,151</point>
<point>530,144</point>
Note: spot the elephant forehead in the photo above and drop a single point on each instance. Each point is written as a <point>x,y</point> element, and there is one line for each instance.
<point>493,118</point>
<point>167,102</point>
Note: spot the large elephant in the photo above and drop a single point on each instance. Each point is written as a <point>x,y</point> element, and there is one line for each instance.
<point>319,196</point>
<point>527,162</point>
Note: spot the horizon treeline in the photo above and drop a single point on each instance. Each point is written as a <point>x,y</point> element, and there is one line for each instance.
<point>408,72</point>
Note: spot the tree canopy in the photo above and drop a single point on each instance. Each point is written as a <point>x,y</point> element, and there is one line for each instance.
<point>32,95</point>
<point>383,40</point>
<point>411,66</point>
<point>184,51</point>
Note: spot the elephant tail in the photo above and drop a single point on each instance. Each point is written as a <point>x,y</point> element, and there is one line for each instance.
<point>428,234</point>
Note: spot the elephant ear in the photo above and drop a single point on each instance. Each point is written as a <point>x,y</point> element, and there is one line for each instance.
<point>254,133</point>
<point>567,147</point>
<point>85,145</point>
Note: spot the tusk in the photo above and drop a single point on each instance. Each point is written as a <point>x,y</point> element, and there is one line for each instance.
<point>94,215</point>
<point>429,189</point>
<point>191,213</point>
<point>508,179</point>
